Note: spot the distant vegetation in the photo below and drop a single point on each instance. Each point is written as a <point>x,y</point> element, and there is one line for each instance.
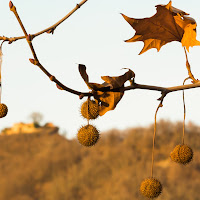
<point>49,167</point>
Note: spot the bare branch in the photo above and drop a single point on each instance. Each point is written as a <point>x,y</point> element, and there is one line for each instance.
<point>47,30</point>
<point>53,27</point>
<point>157,88</point>
<point>35,61</point>
<point>184,87</point>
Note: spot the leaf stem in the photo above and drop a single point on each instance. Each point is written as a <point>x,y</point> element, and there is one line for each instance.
<point>189,68</point>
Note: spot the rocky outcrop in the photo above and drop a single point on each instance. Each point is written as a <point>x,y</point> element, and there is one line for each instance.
<point>30,128</point>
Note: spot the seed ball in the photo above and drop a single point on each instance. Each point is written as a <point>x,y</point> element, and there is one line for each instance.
<point>151,188</point>
<point>182,154</point>
<point>88,135</point>
<point>90,109</point>
<point>3,110</point>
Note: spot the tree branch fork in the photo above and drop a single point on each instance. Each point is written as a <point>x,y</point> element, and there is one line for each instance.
<point>164,90</point>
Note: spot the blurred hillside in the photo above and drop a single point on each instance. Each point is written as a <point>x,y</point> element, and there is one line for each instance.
<point>45,166</point>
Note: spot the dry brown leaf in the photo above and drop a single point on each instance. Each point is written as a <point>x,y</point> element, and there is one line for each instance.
<point>189,37</point>
<point>118,81</point>
<point>183,21</point>
<point>92,86</point>
<point>108,99</point>
<point>161,27</point>
<point>152,43</point>
<point>167,25</point>
<point>82,70</point>
<point>174,10</point>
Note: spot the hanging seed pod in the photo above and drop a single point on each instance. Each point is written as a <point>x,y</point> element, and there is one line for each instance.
<point>90,109</point>
<point>88,135</point>
<point>151,188</point>
<point>182,154</point>
<point>3,110</point>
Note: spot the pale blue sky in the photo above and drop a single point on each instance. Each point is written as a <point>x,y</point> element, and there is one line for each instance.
<point>93,36</point>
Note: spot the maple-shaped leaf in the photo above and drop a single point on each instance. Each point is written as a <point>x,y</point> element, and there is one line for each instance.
<point>167,25</point>
<point>109,99</point>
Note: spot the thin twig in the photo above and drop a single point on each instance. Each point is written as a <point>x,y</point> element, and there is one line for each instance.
<point>157,88</point>
<point>28,37</point>
<point>47,30</point>
<point>53,27</point>
<point>12,39</point>
<point>183,87</point>
<point>35,61</point>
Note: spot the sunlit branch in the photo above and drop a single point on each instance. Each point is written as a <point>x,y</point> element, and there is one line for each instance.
<point>161,89</point>
<point>53,27</point>
<point>47,30</point>
<point>35,61</point>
